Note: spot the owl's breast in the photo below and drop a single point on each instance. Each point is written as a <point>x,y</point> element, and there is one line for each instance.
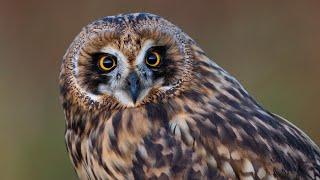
<point>173,140</point>
<point>138,143</point>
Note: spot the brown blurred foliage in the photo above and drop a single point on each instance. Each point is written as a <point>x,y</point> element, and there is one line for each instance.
<point>271,46</point>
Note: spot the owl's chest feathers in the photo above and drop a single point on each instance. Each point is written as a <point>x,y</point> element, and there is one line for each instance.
<point>213,130</point>
<point>109,145</point>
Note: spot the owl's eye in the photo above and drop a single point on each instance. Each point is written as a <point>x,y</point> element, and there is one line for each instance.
<point>107,62</point>
<point>153,58</point>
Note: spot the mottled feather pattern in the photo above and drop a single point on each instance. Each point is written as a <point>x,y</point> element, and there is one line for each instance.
<point>205,126</point>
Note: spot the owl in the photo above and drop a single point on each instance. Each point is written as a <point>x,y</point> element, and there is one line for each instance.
<point>143,101</point>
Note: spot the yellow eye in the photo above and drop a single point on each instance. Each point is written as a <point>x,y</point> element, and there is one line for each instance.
<point>107,63</point>
<point>153,59</point>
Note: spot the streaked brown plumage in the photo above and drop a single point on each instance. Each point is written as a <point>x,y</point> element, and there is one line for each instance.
<point>185,118</point>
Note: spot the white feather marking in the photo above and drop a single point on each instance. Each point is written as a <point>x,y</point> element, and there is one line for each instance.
<point>102,88</point>
<point>247,166</point>
<point>143,94</point>
<point>75,64</point>
<point>120,56</point>
<point>146,45</point>
<point>165,88</point>
<point>124,98</point>
<point>228,170</point>
<point>92,96</point>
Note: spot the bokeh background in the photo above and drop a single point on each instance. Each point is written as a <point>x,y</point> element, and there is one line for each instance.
<point>271,46</point>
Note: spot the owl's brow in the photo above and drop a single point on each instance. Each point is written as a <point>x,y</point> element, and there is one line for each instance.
<point>120,56</point>
<point>144,48</point>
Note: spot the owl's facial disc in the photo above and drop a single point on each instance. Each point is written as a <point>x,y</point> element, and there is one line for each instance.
<point>131,81</point>
<point>130,77</point>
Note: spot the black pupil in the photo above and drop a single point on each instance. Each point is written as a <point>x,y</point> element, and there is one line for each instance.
<point>152,58</point>
<point>108,62</point>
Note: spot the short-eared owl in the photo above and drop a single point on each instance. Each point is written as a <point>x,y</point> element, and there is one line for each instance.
<point>143,101</point>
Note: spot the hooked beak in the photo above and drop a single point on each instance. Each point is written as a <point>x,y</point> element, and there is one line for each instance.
<point>133,86</point>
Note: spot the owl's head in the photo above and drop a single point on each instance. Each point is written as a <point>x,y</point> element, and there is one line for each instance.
<point>126,61</point>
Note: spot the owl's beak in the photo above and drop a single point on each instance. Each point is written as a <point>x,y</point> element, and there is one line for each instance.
<point>133,86</point>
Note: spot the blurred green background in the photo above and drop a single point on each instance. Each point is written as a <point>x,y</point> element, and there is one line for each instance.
<point>272,47</point>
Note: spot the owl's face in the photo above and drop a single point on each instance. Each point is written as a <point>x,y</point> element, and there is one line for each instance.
<point>130,62</point>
